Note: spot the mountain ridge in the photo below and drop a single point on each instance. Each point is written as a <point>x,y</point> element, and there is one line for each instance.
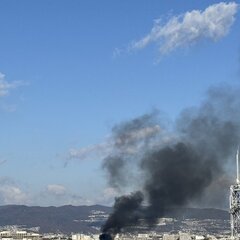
<point>85,219</point>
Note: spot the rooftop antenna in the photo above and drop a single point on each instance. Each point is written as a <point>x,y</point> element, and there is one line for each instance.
<point>235,203</point>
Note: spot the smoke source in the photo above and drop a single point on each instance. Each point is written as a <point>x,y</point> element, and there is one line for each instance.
<point>176,166</point>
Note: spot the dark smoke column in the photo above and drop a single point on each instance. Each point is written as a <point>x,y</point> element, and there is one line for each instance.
<point>126,212</point>
<point>186,168</point>
<point>176,175</point>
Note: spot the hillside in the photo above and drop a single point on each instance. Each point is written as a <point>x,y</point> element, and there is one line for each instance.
<point>87,219</point>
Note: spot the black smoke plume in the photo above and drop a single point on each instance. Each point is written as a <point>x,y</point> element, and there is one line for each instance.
<point>178,165</point>
<point>126,213</point>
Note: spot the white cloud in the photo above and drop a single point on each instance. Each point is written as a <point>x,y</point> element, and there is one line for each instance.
<point>107,197</point>
<point>56,189</point>
<point>6,86</point>
<point>98,150</point>
<point>179,31</point>
<point>76,200</point>
<point>10,193</point>
<point>58,195</point>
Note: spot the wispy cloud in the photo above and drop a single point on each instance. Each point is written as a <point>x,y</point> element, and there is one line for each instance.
<point>11,193</point>
<point>3,161</point>
<point>107,196</point>
<point>8,107</point>
<point>6,86</point>
<point>57,194</point>
<point>184,30</point>
<point>56,189</point>
<point>98,150</point>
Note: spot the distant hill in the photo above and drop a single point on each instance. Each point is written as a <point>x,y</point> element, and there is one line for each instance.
<point>64,219</point>
<point>86,219</point>
<point>198,213</point>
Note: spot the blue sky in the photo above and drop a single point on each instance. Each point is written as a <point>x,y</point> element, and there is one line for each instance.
<point>71,72</point>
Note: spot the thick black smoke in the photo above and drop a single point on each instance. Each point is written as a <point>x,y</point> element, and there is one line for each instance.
<point>126,212</point>
<point>175,175</point>
<point>178,166</point>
